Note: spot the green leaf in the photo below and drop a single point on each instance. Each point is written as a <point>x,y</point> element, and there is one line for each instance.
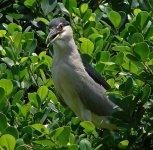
<point>76,11</point>
<point>2,33</point>
<point>87,46</point>
<point>142,19</point>
<point>151,4</point>
<point>28,36</point>
<point>41,128</point>
<point>8,61</point>
<point>45,21</point>
<point>12,27</point>
<point>24,109</point>
<point>149,34</point>
<point>30,46</point>
<point>83,8</point>
<point>115,18</point>
<point>29,3</point>
<point>85,145</point>
<point>75,120</point>
<point>121,48</point>
<point>44,142</point>
<point>123,144</point>
<point>10,53</point>
<point>19,142</point>
<point>22,147</point>
<point>17,41</point>
<point>42,92</point>
<point>70,4</point>
<point>53,97</point>
<point>48,6</point>
<point>6,85</point>
<point>43,76</point>
<point>146,93</point>
<point>61,135</point>
<point>86,16</point>
<point>104,56</point>
<point>2,91</point>
<point>3,122</point>
<point>63,9</point>
<point>137,11</point>
<point>89,128</point>
<point>142,50</point>
<point>34,99</point>
<point>4,104</point>
<point>137,38</point>
<point>7,141</point>
<point>17,97</point>
<point>12,131</point>
<point>119,59</point>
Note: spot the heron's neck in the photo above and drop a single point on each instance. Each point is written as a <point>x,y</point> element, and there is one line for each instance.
<point>64,50</point>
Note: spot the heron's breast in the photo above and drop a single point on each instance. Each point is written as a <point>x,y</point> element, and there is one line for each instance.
<point>64,80</point>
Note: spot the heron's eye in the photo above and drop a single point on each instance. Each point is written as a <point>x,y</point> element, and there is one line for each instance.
<point>60,26</point>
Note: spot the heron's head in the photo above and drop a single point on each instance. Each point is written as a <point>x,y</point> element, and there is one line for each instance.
<point>60,30</point>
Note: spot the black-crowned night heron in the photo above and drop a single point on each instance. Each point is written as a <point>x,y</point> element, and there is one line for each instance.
<point>80,86</point>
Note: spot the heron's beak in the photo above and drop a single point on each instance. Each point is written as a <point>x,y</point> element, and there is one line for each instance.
<point>52,36</point>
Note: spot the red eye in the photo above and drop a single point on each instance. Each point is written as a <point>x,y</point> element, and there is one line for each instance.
<point>60,26</point>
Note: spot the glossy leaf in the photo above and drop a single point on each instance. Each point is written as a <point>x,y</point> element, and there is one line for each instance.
<point>63,9</point>
<point>6,85</point>
<point>29,3</point>
<point>2,33</point>
<point>137,38</point>
<point>48,6</point>
<point>41,128</point>
<point>123,144</point>
<point>61,135</point>
<point>85,145</point>
<point>7,141</point>
<point>17,97</point>
<point>70,4</point>
<point>12,27</point>
<point>142,19</point>
<point>115,18</point>
<point>87,46</point>
<point>34,99</point>
<point>142,50</point>
<point>83,8</point>
<point>42,92</point>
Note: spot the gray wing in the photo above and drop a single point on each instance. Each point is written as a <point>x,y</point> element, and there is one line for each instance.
<point>94,75</point>
<point>91,94</point>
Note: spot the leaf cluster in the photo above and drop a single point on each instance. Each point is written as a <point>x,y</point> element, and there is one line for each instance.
<point>117,41</point>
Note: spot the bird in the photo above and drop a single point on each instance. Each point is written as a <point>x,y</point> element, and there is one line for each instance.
<point>78,84</point>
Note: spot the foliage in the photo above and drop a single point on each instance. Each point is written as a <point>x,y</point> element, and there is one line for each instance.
<point>117,41</point>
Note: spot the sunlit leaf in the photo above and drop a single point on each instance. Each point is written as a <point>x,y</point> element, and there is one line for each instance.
<point>2,33</point>
<point>7,141</point>
<point>87,46</point>
<point>83,8</point>
<point>42,92</point>
<point>123,144</point>
<point>115,18</point>
<point>6,85</point>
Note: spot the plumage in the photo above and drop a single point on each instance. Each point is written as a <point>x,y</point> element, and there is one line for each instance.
<point>80,86</point>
